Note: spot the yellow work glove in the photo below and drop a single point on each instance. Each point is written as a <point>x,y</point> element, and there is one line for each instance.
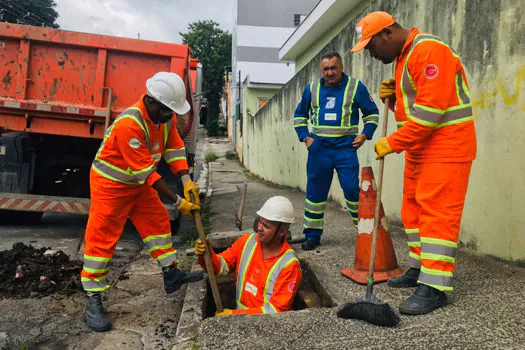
<point>192,187</point>
<point>199,248</point>
<point>382,148</point>
<point>225,312</point>
<point>186,207</point>
<point>388,89</point>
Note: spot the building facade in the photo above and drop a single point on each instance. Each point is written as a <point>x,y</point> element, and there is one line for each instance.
<point>260,29</point>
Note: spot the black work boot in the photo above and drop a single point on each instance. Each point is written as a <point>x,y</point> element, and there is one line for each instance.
<point>96,318</point>
<point>424,300</point>
<point>310,244</point>
<point>406,280</point>
<point>174,278</point>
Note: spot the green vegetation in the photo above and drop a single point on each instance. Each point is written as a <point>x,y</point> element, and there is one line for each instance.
<point>210,157</point>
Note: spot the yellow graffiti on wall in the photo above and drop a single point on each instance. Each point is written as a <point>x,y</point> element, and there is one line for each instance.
<point>488,99</point>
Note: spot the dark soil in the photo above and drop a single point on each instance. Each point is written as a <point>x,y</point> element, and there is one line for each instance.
<point>26,272</point>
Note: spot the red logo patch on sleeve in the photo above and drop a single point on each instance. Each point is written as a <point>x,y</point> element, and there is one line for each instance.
<point>291,286</point>
<point>431,71</point>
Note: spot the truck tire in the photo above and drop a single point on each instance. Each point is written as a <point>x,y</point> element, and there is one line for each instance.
<point>13,217</point>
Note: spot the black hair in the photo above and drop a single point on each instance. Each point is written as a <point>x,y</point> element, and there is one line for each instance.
<point>332,54</point>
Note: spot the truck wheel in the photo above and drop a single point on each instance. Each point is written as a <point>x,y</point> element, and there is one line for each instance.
<point>13,217</point>
<point>31,217</point>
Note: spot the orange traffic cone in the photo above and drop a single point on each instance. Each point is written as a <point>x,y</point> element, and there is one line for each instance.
<point>385,265</point>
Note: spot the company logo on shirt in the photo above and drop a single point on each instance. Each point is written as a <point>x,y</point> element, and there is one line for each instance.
<point>134,143</point>
<point>156,146</point>
<point>431,71</point>
<point>330,103</point>
<point>291,286</point>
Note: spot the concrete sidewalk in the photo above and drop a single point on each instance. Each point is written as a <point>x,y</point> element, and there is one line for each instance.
<point>486,311</point>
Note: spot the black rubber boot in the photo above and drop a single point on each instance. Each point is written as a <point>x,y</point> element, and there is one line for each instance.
<point>174,278</point>
<point>96,318</point>
<point>310,244</point>
<point>424,300</point>
<point>406,280</point>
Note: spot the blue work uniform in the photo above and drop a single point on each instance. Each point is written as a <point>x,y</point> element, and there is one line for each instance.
<point>334,115</point>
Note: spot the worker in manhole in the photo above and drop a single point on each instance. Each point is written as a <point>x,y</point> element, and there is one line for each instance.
<point>268,273</point>
<point>125,184</point>
<point>431,101</point>
<point>332,104</point>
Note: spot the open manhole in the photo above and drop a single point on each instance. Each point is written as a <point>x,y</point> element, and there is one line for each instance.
<point>310,295</point>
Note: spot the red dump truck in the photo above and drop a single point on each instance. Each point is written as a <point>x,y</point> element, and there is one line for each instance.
<point>59,91</point>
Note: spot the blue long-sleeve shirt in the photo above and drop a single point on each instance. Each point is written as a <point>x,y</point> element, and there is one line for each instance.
<point>334,114</point>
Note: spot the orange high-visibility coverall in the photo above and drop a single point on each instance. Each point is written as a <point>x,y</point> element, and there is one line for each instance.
<point>434,113</point>
<point>262,285</point>
<point>121,178</point>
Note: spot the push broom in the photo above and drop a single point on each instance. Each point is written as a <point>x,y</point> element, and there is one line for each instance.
<point>370,308</point>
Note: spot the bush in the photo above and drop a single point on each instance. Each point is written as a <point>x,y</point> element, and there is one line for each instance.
<point>210,157</point>
<point>212,127</point>
<point>231,155</point>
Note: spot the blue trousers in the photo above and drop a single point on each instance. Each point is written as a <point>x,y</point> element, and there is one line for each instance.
<point>322,160</point>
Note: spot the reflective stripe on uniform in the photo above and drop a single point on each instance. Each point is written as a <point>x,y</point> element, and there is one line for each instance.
<point>315,91</point>
<point>371,119</point>
<point>94,264</point>
<point>286,259</point>
<point>154,242</point>
<point>98,284</point>
<point>168,259</point>
<point>224,270</point>
<point>441,280</point>
<point>300,122</point>
<point>313,223</point>
<point>350,91</point>
<point>352,206</point>
<point>329,131</point>
<point>438,249</point>
<point>427,115</point>
<point>314,208</point>
<point>413,238</point>
<point>246,257</point>
<point>172,155</point>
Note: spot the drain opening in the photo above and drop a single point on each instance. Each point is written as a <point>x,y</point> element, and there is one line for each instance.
<point>310,295</point>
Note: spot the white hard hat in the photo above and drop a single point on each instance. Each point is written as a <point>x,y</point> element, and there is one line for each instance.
<point>279,209</point>
<point>168,89</point>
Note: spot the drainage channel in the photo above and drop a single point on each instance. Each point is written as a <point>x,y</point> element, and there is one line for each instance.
<point>199,304</point>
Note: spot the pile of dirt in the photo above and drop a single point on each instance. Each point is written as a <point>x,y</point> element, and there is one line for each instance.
<point>29,272</point>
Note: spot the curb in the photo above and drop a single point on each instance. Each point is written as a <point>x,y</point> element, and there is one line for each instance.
<point>192,314</point>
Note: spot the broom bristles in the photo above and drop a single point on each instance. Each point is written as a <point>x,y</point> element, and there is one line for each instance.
<point>377,314</point>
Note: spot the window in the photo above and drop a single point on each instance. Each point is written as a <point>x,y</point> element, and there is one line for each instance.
<point>262,101</point>
<point>298,19</point>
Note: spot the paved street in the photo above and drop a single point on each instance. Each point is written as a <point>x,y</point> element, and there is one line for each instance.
<point>486,311</point>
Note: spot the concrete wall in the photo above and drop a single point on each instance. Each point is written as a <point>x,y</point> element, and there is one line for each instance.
<point>488,36</point>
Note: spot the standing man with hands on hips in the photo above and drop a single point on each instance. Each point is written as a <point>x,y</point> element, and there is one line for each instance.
<point>332,105</point>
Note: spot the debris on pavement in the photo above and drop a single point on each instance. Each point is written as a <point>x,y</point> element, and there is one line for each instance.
<point>29,272</point>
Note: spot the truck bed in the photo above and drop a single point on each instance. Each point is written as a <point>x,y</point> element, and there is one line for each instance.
<point>59,82</point>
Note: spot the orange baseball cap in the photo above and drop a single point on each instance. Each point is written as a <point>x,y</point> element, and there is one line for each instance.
<point>370,25</point>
